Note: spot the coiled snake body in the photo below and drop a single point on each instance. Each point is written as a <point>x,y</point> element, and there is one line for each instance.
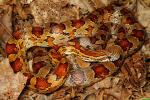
<point>41,54</point>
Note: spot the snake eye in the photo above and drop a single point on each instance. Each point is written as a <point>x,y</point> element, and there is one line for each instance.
<point>16,65</point>
<point>100,70</point>
<point>11,49</point>
<point>37,31</point>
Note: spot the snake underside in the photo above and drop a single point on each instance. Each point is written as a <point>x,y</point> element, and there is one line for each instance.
<point>48,56</point>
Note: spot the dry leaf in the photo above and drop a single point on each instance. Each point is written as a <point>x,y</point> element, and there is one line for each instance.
<point>11,85</point>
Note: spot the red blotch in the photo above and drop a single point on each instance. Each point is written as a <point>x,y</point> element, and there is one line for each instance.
<point>138,33</point>
<point>37,31</point>
<point>17,35</point>
<point>78,23</point>
<point>16,65</point>
<point>125,44</point>
<point>41,83</point>
<point>36,66</point>
<point>61,70</point>
<point>100,71</point>
<point>11,49</point>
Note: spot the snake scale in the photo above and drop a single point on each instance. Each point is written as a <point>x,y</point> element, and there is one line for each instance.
<point>41,54</point>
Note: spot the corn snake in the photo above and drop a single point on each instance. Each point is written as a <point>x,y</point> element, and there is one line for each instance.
<point>40,53</point>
